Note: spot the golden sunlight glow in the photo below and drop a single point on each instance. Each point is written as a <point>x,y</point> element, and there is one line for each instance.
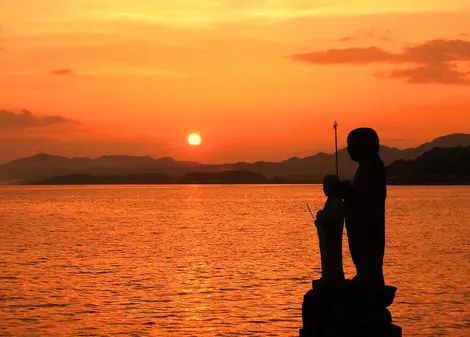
<point>194,139</point>
<point>246,74</point>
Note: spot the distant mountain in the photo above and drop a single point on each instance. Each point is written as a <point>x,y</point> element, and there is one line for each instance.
<point>437,166</point>
<point>44,166</point>
<point>226,177</point>
<point>84,179</point>
<point>453,140</point>
<point>312,168</point>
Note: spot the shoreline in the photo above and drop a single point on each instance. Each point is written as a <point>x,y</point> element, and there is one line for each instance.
<point>220,184</point>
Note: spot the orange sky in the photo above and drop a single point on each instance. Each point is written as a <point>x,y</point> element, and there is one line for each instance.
<point>259,80</point>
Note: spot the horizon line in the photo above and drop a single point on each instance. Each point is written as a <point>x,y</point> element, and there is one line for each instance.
<point>221,164</point>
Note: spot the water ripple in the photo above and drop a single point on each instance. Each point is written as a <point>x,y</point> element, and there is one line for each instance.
<point>211,260</point>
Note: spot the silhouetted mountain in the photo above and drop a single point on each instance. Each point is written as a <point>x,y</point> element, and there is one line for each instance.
<point>312,168</point>
<point>226,177</point>
<point>453,140</point>
<point>43,166</point>
<point>82,179</point>
<point>437,166</point>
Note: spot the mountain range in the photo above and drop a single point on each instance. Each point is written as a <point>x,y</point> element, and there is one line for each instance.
<point>313,168</point>
<point>448,166</point>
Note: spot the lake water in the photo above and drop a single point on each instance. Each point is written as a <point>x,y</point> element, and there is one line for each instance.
<point>212,260</point>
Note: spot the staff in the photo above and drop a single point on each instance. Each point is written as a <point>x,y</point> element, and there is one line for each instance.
<point>335,127</point>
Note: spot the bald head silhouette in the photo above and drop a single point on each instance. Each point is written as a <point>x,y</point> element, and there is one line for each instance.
<point>363,144</point>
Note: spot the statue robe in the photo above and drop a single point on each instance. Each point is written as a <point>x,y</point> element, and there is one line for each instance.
<point>365,221</point>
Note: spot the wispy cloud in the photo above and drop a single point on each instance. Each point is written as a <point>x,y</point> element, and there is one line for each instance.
<point>63,72</point>
<point>371,34</point>
<point>25,119</point>
<point>345,56</point>
<point>435,61</point>
<point>348,39</point>
<point>433,72</point>
<point>190,12</point>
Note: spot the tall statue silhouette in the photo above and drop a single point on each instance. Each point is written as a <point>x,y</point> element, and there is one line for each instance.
<point>365,209</point>
<point>358,307</point>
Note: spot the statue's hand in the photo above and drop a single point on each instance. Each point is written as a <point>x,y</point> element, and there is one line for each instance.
<point>317,223</point>
<point>320,214</point>
<point>318,218</point>
<point>345,188</point>
<point>345,184</point>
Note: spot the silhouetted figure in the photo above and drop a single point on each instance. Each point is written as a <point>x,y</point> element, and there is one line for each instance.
<point>365,209</point>
<point>329,223</point>
<point>357,307</point>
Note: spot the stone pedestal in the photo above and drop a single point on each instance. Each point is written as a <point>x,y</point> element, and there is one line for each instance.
<point>346,312</point>
<point>388,331</point>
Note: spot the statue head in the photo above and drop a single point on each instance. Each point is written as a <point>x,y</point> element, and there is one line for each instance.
<point>363,144</point>
<point>331,185</point>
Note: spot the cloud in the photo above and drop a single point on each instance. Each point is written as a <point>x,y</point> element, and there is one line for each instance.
<point>437,51</point>
<point>25,119</point>
<point>348,55</point>
<point>36,86</point>
<point>434,60</point>
<point>63,72</point>
<point>347,39</point>
<point>434,72</point>
<point>383,35</point>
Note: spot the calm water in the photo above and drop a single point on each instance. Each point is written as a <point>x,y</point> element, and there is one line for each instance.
<point>211,260</point>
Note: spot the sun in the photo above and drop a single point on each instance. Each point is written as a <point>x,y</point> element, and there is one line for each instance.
<point>194,139</point>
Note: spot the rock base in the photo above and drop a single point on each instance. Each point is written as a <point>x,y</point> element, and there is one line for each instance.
<point>347,313</point>
<point>385,331</point>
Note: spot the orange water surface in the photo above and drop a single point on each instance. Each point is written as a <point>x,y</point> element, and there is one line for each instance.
<point>212,260</point>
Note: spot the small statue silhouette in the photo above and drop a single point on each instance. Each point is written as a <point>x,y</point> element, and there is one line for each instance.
<point>330,222</point>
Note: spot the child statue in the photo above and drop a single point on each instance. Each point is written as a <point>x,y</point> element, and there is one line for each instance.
<point>329,222</point>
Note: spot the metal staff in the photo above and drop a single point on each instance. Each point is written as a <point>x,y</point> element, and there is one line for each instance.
<point>313,217</point>
<point>335,127</point>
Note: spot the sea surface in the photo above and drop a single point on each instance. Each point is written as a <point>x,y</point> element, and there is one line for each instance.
<point>212,260</point>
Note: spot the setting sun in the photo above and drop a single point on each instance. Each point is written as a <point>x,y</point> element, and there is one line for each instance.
<point>194,139</point>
